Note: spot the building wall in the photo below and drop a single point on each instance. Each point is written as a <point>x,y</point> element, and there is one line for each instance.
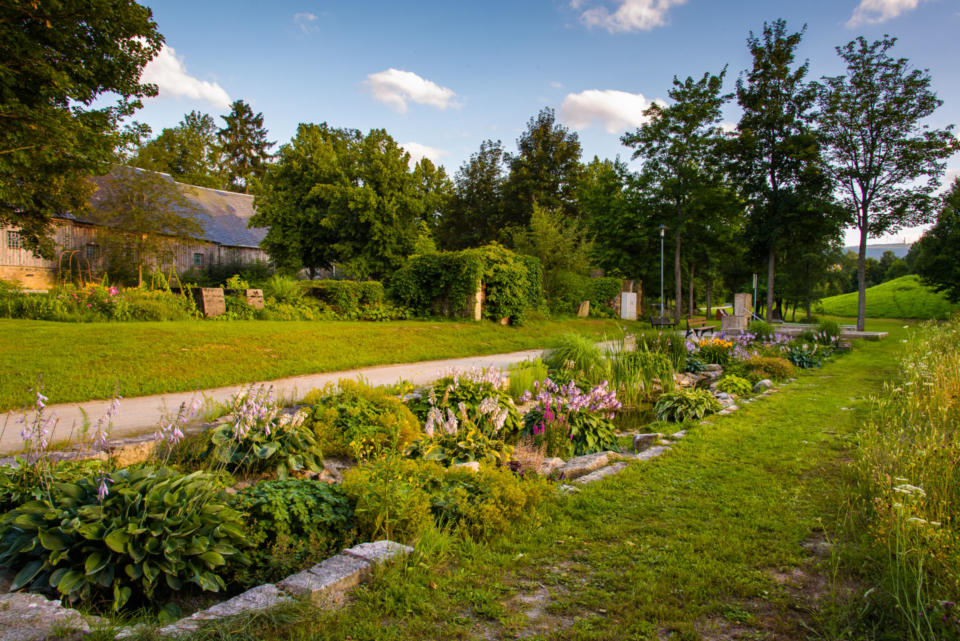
<point>77,243</point>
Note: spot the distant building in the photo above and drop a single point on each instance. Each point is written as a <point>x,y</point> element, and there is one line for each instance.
<point>226,239</point>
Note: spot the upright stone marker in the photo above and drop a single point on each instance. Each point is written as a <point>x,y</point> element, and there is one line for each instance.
<point>254,298</point>
<point>584,309</point>
<point>628,306</point>
<point>210,301</point>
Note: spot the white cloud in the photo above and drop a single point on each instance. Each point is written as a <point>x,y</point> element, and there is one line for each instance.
<point>305,21</point>
<point>170,75</point>
<point>728,127</point>
<point>631,15</point>
<point>418,151</point>
<point>556,84</point>
<point>616,110</point>
<point>874,11</point>
<point>394,88</point>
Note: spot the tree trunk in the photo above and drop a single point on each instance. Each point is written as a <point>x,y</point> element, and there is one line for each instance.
<point>862,276</point>
<point>690,290</point>
<point>709,293</point>
<point>677,281</point>
<point>771,263</point>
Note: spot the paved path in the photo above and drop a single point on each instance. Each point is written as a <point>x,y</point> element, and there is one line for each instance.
<point>140,415</point>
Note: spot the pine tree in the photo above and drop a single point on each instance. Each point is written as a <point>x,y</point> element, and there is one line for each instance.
<point>244,144</point>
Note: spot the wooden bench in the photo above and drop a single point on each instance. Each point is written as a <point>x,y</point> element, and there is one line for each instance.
<point>698,327</point>
<point>662,321</point>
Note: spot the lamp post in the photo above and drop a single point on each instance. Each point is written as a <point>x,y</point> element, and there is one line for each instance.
<point>662,228</point>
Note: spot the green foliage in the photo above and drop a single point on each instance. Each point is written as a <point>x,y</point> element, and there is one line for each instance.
<point>805,355</point>
<point>579,354</point>
<point>673,346</point>
<point>937,258</point>
<point>694,365</point>
<point>188,152</point>
<point>714,350</point>
<point>66,86</point>
<point>733,384</point>
<point>155,532</point>
<point>284,289</point>
<point>345,296</point>
<point>292,524</point>
<point>685,404</point>
<point>480,394</point>
<point>97,303</point>
<point>263,438</point>
<point>363,422</point>
<point>904,297</point>
<point>774,368</point>
<point>445,283</point>
<point>244,147</point>
<point>763,330</point>
<point>522,376</point>
<point>399,498</point>
<point>460,441</point>
<point>635,375</point>
<point>600,291</point>
<point>475,214</point>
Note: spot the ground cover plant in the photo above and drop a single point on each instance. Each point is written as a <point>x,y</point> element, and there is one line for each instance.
<point>190,355</point>
<point>904,297</point>
<point>703,530</point>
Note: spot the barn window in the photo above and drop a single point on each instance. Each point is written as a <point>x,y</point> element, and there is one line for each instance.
<point>92,251</point>
<point>198,259</point>
<point>14,241</point>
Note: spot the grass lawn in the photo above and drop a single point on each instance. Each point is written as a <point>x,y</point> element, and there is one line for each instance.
<point>717,539</point>
<point>904,297</point>
<point>83,361</point>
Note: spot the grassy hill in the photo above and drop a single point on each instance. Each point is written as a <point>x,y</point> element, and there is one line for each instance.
<point>904,297</point>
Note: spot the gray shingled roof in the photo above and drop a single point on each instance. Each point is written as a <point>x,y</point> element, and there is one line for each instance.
<point>223,214</point>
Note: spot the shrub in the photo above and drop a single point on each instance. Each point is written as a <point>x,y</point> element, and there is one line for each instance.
<point>694,365</point>
<point>633,374</point>
<point>357,420</point>
<point>806,355</point>
<point>346,296</point>
<point>683,404</point>
<point>399,498</point>
<point>763,330</point>
<point>674,346</point>
<point>156,531</point>
<point>284,289</point>
<point>732,384</point>
<point>828,332</point>
<point>774,368</point>
<point>292,524</point>
<point>457,439</point>
<point>262,438</point>
<point>600,291</point>
<point>568,422</point>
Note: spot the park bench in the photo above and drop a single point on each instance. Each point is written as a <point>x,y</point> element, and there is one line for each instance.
<point>662,321</point>
<point>698,327</point>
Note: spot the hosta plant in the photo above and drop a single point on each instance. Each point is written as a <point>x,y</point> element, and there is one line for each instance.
<point>153,533</point>
<point>685,404</point>
<point>498,417</point>
<point>569,422</point>
<point>263,438</point>
<point>736,385</point>
<point>457,438</point>
<point>806,355</point>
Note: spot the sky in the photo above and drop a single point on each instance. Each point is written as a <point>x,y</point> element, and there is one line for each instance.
<point>442,76</point>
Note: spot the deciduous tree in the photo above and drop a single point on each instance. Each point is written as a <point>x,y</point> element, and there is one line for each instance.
<point>475,215</point>
<point>886,162</point>
<point>59,59</point>
<point>937,258</point>
<point>188,152</point>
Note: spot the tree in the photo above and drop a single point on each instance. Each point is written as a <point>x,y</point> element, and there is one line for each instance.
<point>679,145</point>
<point>475,215</point>
<point>559,244</point>
<point>58,59</point>
<point>937,258</point>
<point>245,146</point>
<point>142,214</point>
<point>335,196</point>
<point>545,170</point>
<point>188,152</point>
<point>886,163</point>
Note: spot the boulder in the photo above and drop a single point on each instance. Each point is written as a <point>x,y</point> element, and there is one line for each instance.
<point>602,473</point>
<point>653,452</point>
<point>713,367</point>
<point>583,465</point>
<point>33,617</point>
<point>549,465</point>
<point>763,385</point>
<point>643,442</point>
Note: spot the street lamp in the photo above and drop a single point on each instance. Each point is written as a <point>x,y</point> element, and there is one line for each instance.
<point>662,228</point>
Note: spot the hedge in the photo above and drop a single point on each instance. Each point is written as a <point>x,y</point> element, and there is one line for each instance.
<point>346,296</point>
<point>444,283</point>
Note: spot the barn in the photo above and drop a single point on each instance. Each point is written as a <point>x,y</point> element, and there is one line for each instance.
<point>226,239</point>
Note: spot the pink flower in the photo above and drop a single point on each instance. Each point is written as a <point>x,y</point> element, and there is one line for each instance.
<point>113,291</point>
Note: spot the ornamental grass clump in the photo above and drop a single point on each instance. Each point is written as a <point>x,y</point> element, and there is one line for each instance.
<point>908,492</point>
<point>568,422</point>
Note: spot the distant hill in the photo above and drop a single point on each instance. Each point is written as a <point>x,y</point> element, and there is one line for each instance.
<point>904,297</point>
<point>876,251</point>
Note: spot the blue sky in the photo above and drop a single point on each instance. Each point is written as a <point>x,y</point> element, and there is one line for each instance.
<point>441,77</point>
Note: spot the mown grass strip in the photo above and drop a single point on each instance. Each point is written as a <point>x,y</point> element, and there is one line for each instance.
<point>84,361</point>
<point>688,546</point>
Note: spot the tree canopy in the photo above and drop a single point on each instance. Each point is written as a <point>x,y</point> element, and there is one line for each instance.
<point>244,145</point>
<point>938,252</point>
<point>189,152</point>
<point>59,58</point>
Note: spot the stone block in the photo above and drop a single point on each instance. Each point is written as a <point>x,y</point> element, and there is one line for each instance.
<point>653,452</point>
<point>584,309</point>
<point>602,473</point>
<point>549,465</point>
<point>643,442</point>
<point>378,551</point>
<point>582,465</point>
<point>210,301</point>
<point>328,582</point>
<point>32,617</point>
<point>254,298</point>
<point>628,306</point>
<point>261,597</point>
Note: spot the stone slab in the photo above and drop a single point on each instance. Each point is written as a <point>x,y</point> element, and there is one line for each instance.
<point>602,473</point>
<point>643,442</point>
<point>328,582</point>
<point>32,617</point>
<point>549,465</point>
<point>378,551</point>
<point>653,452</point>
<point>261,597</point>
<point>583,465</point>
